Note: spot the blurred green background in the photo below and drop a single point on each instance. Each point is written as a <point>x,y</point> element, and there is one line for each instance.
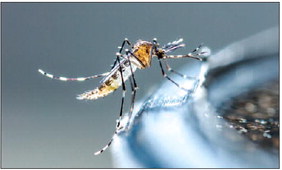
<point>43,125</point>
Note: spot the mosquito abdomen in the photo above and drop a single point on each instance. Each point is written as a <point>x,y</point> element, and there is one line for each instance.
<point>103,90</point>
<point>109,85</point>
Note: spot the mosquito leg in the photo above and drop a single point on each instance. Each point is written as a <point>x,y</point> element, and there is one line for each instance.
<point>123,90</point>
<point>194,54</point>
<point>190,55</point>
<point>121,109</point>
<point>121,48</point>
<point>155,43</point>
<point>123,43</point>
<point>134,88</point>
<point>108,145</point>
<point>133,94</point>
<point>71,79</point>
<point>166,76</point>
<point>177,73</point>
<point>130,65</point>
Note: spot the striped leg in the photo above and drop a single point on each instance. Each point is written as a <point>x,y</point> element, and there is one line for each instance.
<point>185,77</point>
<point>123,90</point>
<point>121,48</point>
<point>121,109</point>
<point>71,79</point>
<point>134,88</point>
<point>123,43</point>
<point>130,65</point>
<point>166,76</point>
<point>177,73</point>
<point>133,94</point>
<point>194,54</point>
<point>106,147</point>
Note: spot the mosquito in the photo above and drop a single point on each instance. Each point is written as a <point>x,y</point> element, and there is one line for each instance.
<point>138,56</point>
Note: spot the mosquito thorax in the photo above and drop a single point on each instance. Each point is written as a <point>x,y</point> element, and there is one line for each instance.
<point>142,50</point>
